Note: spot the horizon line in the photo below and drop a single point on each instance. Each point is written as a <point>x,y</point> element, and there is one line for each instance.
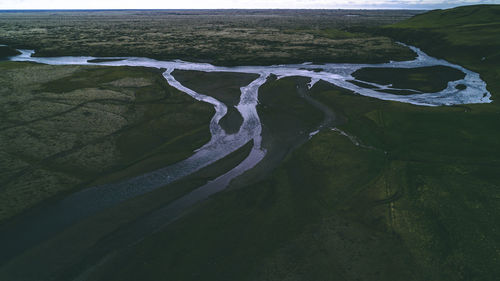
<point>371,8</point>
<point>208,9</point>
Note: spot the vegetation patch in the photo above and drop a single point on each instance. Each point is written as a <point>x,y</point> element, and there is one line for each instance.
<point>439,160</point>
<point>6,51</point>
<point>428,79</point>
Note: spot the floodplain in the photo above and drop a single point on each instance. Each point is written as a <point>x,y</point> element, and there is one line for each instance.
<point>351,187</point>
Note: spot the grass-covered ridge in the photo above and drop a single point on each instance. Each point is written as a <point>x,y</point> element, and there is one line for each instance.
<point>465,16</point>
<point>467,35</point>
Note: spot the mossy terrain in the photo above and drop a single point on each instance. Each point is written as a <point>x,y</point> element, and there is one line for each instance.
<point>315,217</point>
<point>414,198</point>
<point>284,226</point>
<point>440,180</point>
<point>67,127</point>
<point>222,37</point>
<point>425,79</point>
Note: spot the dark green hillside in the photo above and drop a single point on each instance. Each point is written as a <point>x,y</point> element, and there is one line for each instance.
<point>465,16</point>
<point>468,35</point>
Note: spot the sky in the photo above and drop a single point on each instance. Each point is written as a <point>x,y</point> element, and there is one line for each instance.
<point>237,4</point>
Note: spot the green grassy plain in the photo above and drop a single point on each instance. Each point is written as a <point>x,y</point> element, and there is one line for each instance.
<point>63,128</point>
<point>311,218</point>
<point>417,200</point>
<point>442,167</point>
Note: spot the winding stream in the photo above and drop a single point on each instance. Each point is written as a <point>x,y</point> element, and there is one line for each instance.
<point>36,226</point>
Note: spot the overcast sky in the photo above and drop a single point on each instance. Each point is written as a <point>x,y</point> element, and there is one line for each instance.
<point>228,4</point>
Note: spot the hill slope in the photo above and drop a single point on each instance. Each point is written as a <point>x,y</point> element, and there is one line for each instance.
<point>468,35</point>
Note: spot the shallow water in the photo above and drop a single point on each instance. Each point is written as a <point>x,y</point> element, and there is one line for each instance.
<point>38,225</point>
<point>221,144</point>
